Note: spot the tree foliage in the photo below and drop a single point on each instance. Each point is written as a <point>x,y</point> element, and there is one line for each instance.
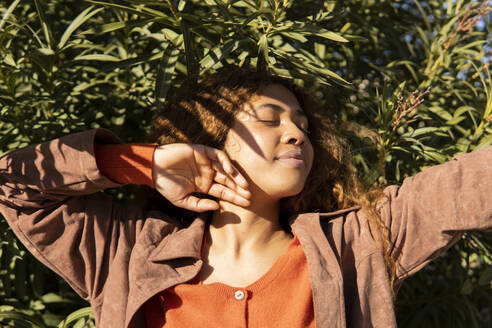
<point>408,80</point>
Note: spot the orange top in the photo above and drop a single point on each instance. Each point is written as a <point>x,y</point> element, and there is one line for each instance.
<point>282,297</point>
<point>126,163</point>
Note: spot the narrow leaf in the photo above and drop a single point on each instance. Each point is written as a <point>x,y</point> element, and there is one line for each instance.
<point>9,11</point>
<point>44,24</point>
<point>74,316</point>
<point>218,53</point>
<point>263,61</point>
<point>191,64</point>
<point>124,8</point>
<point>99,57</point>
<point>79,20</point>
<point>165,73</point>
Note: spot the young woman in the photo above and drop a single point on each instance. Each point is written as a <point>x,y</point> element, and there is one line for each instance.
<point>263,221</point>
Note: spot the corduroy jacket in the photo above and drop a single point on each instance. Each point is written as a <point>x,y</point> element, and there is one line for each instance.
<point>118,257</point>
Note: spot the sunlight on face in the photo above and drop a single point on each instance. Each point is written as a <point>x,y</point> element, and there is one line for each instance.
<point>269,143</point>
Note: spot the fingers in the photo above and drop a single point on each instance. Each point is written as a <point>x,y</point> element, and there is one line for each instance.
<point>220,157</point>
<point>225,180</point>
<point>219,191</point>
<point>223,193</point>
<point>196,204</point>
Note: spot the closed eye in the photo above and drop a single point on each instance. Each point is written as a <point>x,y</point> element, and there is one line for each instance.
<point>275,123</point>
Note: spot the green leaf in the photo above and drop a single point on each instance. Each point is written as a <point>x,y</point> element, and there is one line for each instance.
<point>252,17</point>
<point>329,6</point>
<point>146,58</point>
<point>99,57</point>
<point>7,14</point>
<point>476,44</point>
<point>440,112</point>
<point>191,65</point>
<point>455,121</point>
<point>45,51</point>
<point>295,35</point>
<point>307,29</point>
<point>115,26</point>
<point>218,53</point>
<point>165,73</point>
<point>320,49</point>
<point>21,318</point>
<point>263,60</point>
<point>464,109</point>
<point>320,71</point>
<point>74,316</point>
<point>445,30</point>
<point>140,11</point>
<point>484,142</point>
<point>79,20</point>
<point>327,35</point>
<point>44,24</point>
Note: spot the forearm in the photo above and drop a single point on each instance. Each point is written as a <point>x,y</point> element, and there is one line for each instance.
<point>428,213</point>
<point>126,163</point>
<point>48,197</point>
<point>37,176</point>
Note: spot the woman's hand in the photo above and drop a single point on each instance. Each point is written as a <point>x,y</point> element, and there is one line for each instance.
<point>182,169</point>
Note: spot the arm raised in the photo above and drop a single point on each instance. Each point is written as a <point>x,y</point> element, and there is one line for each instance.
<point>49,195</point>
<point>431,210</point>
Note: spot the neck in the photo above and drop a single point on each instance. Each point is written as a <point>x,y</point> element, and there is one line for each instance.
<point>238,230</point>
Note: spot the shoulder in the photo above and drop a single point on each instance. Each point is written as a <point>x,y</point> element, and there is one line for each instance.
<point>342,213</point>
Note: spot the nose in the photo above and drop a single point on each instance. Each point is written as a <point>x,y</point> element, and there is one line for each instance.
<point>293,135</point>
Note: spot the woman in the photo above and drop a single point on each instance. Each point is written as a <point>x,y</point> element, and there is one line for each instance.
<point>268,225</point>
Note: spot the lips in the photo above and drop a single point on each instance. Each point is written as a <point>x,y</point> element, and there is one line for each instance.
<point>292,158</point>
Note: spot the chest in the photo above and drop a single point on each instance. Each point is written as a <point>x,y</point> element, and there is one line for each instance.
<point>224,269</point>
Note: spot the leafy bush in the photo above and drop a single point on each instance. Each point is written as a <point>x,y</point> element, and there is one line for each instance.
<point>409,80</point>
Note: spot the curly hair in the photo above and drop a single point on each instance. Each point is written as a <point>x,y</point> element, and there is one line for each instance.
<point>206,113</point>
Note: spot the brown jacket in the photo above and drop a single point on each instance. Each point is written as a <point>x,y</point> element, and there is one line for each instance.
<point>118,257</point>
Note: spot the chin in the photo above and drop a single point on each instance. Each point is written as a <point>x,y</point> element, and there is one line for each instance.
<point>287,191</point>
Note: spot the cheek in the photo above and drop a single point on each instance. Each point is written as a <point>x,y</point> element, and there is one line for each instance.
<point>311,157</point>
<point>250,145</point>
<point>231,146</point>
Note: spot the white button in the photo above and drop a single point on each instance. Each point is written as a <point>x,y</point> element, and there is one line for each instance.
<point>239,295</point>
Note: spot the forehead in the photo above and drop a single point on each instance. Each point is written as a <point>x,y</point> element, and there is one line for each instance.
<point>275,94</point>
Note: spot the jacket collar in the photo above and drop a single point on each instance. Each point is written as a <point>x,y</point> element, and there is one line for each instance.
<point>186,242</point>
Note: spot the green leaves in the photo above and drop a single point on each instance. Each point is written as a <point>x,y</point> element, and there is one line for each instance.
<point>44,24</point>
<point>7,14</point>
<point>219,53</point>
<point>79,20</point>
<point>81,317</point>
<point>67,66</point>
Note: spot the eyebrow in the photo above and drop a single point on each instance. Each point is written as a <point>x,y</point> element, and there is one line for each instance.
<point>277,108</point>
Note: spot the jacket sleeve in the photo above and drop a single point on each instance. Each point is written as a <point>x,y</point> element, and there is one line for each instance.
<point>50,196</point>
<point>431,210</point>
